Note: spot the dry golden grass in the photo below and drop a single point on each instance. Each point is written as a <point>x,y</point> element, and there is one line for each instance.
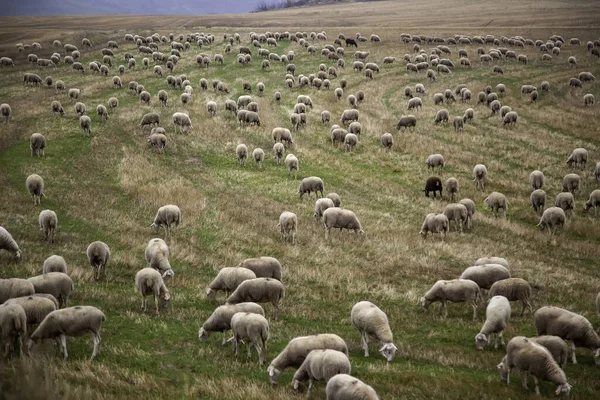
<point>108,187</point>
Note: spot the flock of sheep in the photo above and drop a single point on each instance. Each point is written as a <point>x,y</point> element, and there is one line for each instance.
<point>43,300</point>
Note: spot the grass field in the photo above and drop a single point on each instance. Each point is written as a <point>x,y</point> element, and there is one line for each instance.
<point>108,187</point>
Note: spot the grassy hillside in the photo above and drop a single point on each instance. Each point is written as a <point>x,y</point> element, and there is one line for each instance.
<point>108,187</point>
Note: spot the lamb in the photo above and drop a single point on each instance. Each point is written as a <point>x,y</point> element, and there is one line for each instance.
<point>157,256</point>
<point>455,291</point>
<point>552,218</point>
<point>98,254</point>
<point>15,287</point>
<point>311,184</point>
<point>294,354</point>
<point>349,116</point>
<point>435,224</point>
<point>183,121</point>
<point>571,183</point>
<point>593,201</point>
<point>73,321</point>
<point>514,289</point>
<point>48,224</point>
<point>288,225</point>
<point>435,160</point>
<point>578,157</point>
<point>8,243</point>
<point>13,327</point>
<point>346,387</point>
<point>452,188</point>
<point>536,180</point>
<point>538,200</point>
<point>321,205</point>
<point>167,216</point>
<point>433,184</point>
<point>291,162</point>
<point>148,281</point>
<point>533,359</point>
<point>220,319</point>
<point>228,279</point>
<point>458,213</point>
<point>57,284</point>
<point>54,263</point>
<point>486,275</point>
<point>407,121</point>
<point>339,218</point>
<point>496,201</point>
<point>321,365</point>
<point>263,267</point>
<point>35,186</point>
<point>252,327</point>
<point>479,175</point>
<point>37,144</point>
<point>370,320</point>
<point>259,290</point>
<point>36,307</point>
<point>282,135</point>
<point>497,315</point>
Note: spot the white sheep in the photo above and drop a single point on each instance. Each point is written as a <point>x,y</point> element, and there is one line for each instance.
<point>538,200</point>
<point>220,319</point>
<point>571,183</point>
<point>241,153</point>
<point>8,243</point>
<point>98,254</point>
<point>36,306</point>
<point>15,287</point>
<point>288,225</point>
<point>228,279</point>
<point>263,267</point>
<point>35,187</point>
<point>321,205</point>
<point>48,222</point>
<point>73,321</point>
<point>296,351</point>
<point>13,327</point>
<point>497,315</point>
<point>455,291</point>
<point>251,327</point>
<point>486,275</point>
<point>496,201</point>
<point>157,255</point>
<point>452,188</point>
<point>258,155</point>
<point>183,121</point>
<point>578,157</point>
<point>149,282</point>
<point>532,359</point>
<point>341,219</point>
<point>593,201</point>
<point>291,163</point>
<point>479,176</point>
<point>321,365</point>
<point>458,213</point>
<point>167,216</point>
<point>492,260</point>
<point>346,387</point>
<point>57,284</point>
<point>370,320</point>
<point>514,289</point>
<point>55,263</point>
<point>259,290</point>
<point>435,224</point>
<point>569,326</point>
<point>552,218</point>
<point>470,206</point>
<point>37,144</point>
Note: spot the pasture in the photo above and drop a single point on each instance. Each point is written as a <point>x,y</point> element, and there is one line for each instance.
<point>109,186</point>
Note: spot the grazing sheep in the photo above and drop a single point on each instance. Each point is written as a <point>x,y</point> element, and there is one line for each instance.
<point>37,144</point>
<point>415,103</point>
<point>441,116</point>
<point>349,116</point>
<point>158,140</point>
<point>433,184</point>
<point>149,119</point>
<point>13,327</point>
<point>497,315</point>
<point>435,160</point>
<point>496,201</point>
<point>407,121</point>
<point>251,327</point>
<point>566,201</point>
<point>588,100</point>
<point>14,287</point>
<point>167,216</point>
<point>8,243</point>
<point>535,360</point>
<point>458,124</point>
<point>263,267</point>
<point>536,180</point>
<point>220,319</point>
<point>183,121</point>
<point>7,62</point>
<point>458,213</point>
<point>571,183</point>
<point>228,279</point>
<point>568,326</point>
<point>157,256</point>
<point>350,141</point>
<point>335,198</point>
<point>36,306</point>
<point>311,184</point>
<point>492,260</point>
<point>48,222</point>
<point>538,200</point>
<point>57,108</point>
<point>452,188</point>
<point>574,82</point>
<point>387,141</point>
<point>73,321</point>
<point>435,224</point>
<point>486,275</point>
<point>291,162</point>
<point>341,219</point>
<point>556,346</point>
<point>79,109</point>
<point>346,387</point>
<point>259,290</point>
<point>514,289</point>
<point>294,354</point>
<point>470,206</point>
<point>370,320</point>
<point>321,205</point>
<point>149,282</point>
<point>551,218</point>
<point>57,284</point>
<point>259,156</point>
<point>288,225</point>
<point>586,77</point>
<point>278,151</point>
<point>35,187</point>
<point>578,157</point>
<point>320,365</point>
<point>593,201</point>
<point>98,254</point>
<point>241,154</point>
<point>5,112</point>
<point>479,176</point>
<point>455,291</point>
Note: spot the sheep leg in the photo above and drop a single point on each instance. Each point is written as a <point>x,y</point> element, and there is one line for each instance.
<point>474,305</point>
<point>275,312</point>
<point>365,343</point>
<point>97,342</point>
<point>156,303</point>
<point>501,339</point>
<point>537,385</point>
<point>310,386</point>
<point>235,345</point>
<point>573,358</point>
<point>224,338</point>
<point>63,344</point>
<point>524,378</point>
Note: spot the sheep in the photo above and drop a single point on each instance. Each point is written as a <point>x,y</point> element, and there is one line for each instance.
<point>79,109</point>
<point>433,184</point>
<point>149,282</point>
<point>370,320</point>
<point>37,144</point>
<point>435,160</point>
<point>73,321</point>
<point>457,213</point>
<point>228,279</point>
<point>250,117</point>
<point>458,124</point>
<point>574,82</point>
<point>415,102</point>
<point>586,77</point>
<point>48,222</point>
<point>497,315</point>
<point>551,218</point>
<point>15,287</point>
<point>35,187</point>
<point>536,180</point>
<point>263,267</point>
<point>566,201</point>
<point>291,163</point>
<point>496,201</point>
<point>556,347</point>
<point>13,327</point>
<point>158,140</point>
<point>514,289</point>
<point>350,141</point>
<point>533,359</point>
<point>220,319</point>
<point>593,201</point>
<point>479,176</point>
<point>167,216</point>
<point>486,275</point>
<point>571,183</point>
<point>5,112</point>
<point>98,254</point>
<point>252,327</point>
<point>36,307</point>
<point>241,153</point>
<point>288,225</point>
<point>387,141</point>
<point>321,205</point>
<point>57,108</point>
<point>441,116</point>
<point>183,121</point>
<point>157,256</point>
<point>321,364</point>
<point>311,184</point>
<point>336,217</point>
<point>545,86</point>
<point>149,119</point>
<point>597,171</point>
<point>325,116</point>
<point>259,290</point>
<point>492,260</point>
<point>435,224</point>
<point>470,206</point>
<point>349,116</point>
<point>455,291</point>
<point>346,387</point>
<point>7,62</point>
<point>8,243</point>
<point>57,284</point>
<point>538,200</point>
<point>588,100</point>
<point>296,351</point>
<point>407,121</point>
<point>452,188</point>
<point>578,157</point>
